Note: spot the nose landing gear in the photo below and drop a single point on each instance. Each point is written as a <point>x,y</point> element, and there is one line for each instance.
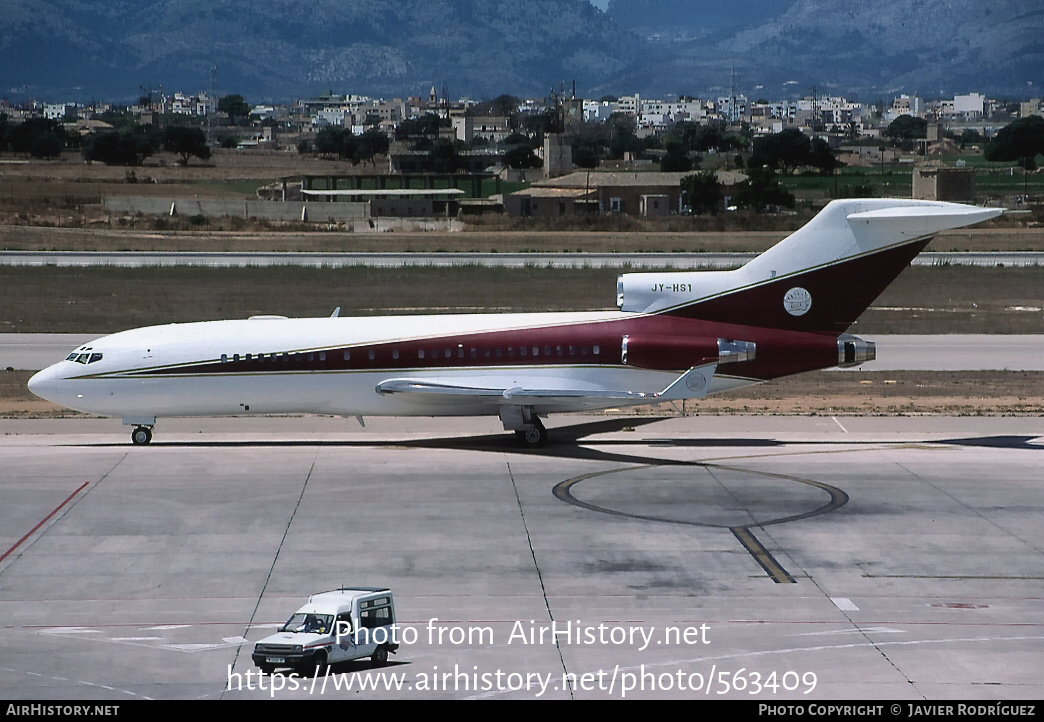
<point>141,435</point>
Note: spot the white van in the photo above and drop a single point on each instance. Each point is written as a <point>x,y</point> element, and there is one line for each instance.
<point>335,626</point>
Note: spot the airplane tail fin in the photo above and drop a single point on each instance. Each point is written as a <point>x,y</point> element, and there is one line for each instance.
<point>819,279</point>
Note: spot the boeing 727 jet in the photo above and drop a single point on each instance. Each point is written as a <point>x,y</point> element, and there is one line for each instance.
<point>676,335</point>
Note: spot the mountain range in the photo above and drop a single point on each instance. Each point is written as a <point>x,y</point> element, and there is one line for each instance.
<point>59,50</point>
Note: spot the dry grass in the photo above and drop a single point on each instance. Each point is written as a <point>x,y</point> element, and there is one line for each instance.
<point>923,300</point>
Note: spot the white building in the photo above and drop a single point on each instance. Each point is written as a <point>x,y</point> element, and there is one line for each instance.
<point>970,105</point>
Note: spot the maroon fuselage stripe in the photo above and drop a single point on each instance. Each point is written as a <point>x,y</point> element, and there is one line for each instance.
<point>786,344</point>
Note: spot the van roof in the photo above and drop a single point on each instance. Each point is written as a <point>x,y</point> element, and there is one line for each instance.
<point>334,600</point>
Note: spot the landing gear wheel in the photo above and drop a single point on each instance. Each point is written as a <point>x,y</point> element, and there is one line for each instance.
<point>141,435</point>
<point>379,658</point>
<point>535,436</point>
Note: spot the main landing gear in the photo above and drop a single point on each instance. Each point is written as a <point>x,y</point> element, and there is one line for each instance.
<point>141,435</point>
<point>533,437</point>
<point>526,425</point>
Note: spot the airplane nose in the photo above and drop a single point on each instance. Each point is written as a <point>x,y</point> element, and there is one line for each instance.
<point>43,383</point>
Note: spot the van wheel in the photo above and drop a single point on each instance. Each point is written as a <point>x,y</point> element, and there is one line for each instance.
<point>379,658</point>
<point>318,666</point>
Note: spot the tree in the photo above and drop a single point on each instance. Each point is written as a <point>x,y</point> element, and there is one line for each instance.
<point>503,105</point>
<point>46,145</point>
<point>117,148</point>
<point>761,189</point>
<point>521,157</point>
<point>820,156</point>
<point>427,125</point>
<point>586,152</point>
<point>328,141</point>
<point>40,137</point>
<point>371,144</point>
<point>234,106</point>
<point>785,150</point>
<point>444,157</point>
<point>1020,140</point>
<point>186,142</point>
<point>703,192</point>
<point>905,129</point>
<point>675,159</point>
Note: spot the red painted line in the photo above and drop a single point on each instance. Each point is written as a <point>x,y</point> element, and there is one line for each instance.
<point>43,521</point>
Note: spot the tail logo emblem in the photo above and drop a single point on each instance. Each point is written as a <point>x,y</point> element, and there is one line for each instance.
<point>797,301</point>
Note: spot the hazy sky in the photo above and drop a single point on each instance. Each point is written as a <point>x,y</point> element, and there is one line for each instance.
<point>600,4</point>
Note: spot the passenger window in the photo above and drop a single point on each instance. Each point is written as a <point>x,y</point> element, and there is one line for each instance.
<point>595,349</point>
<point>347,355</point>
<point>395,353</point>
<point>370,355</point>
<point>235,357</point>
<point>420,353</point>
<point>224,358</point>
<point>322,355</point>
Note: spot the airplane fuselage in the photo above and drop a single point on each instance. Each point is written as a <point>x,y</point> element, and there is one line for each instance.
<point>333,365</point>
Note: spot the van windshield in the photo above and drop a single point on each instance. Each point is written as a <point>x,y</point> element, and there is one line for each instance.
<point>309,623</point>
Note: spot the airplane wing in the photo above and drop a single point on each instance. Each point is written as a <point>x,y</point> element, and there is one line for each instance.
<point>693,384</point>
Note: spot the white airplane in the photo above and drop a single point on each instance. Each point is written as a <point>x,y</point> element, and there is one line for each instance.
<point>676,335</point>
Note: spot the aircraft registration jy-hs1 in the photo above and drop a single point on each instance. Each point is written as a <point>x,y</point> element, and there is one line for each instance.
<point>676,335</point>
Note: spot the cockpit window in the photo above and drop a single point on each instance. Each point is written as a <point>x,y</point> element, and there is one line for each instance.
<point>84,358</point>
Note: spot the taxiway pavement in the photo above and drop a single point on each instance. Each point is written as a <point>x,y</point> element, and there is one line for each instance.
<point>757,557</point>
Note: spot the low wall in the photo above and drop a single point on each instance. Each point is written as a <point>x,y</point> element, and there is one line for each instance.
<point>355,216</point>
<point>272,210</point>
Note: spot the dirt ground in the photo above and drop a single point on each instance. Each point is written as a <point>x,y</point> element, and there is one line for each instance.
<point>822,393</point>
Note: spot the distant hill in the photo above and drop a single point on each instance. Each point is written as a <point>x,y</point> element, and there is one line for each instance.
<point>282,49</point>
<point>286,49</point>
<point>874,47</point>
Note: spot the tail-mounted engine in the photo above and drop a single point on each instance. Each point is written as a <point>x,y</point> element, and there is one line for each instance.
<point>670,353</point>
<point>852,350</point>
